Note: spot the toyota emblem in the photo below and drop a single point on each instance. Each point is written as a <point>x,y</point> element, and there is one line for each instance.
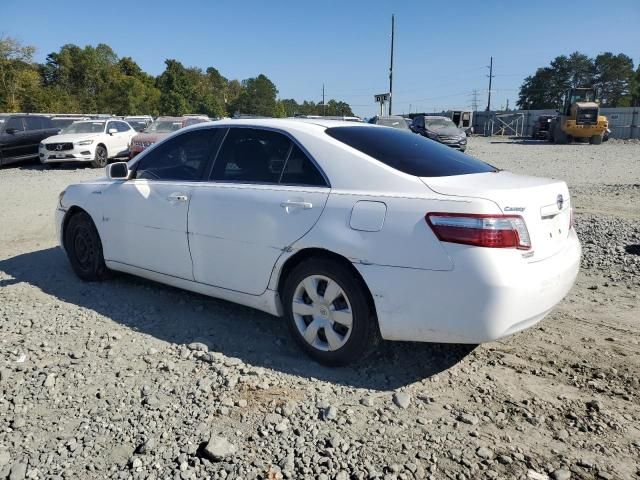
<point>560,202</point>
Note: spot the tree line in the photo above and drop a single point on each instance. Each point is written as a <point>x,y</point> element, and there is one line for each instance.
<point>613,76</point>
<point>95,80</point>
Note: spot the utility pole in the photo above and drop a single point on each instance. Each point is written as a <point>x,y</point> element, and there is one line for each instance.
<point>323,105</point>
<point>491,75</point>
<point>393,24</point>
<point>507,104</point>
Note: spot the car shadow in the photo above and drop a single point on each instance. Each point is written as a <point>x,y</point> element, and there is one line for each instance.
<point>257,338</point>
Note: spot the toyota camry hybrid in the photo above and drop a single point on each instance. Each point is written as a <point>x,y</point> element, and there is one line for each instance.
<point>351,232</point>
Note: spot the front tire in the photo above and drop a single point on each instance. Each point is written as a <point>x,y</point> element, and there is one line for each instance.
<point>100,159</point>
<point>595,140</point>
<point>328,312</point>
<point>84,248</point>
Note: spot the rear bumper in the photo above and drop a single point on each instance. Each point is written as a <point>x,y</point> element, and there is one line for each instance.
<point>482,301</point>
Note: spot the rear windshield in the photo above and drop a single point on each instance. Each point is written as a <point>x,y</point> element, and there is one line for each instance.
<point>408,152</point>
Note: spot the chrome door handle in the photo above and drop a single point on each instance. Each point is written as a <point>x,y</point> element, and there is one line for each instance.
<point>177,197</point>
<point>296,204</point>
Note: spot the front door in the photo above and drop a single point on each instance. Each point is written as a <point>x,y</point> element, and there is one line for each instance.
<point>145,218</point>
<point>264,194</point>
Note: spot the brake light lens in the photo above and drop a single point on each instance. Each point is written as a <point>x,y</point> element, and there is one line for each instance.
<point>492,231</point>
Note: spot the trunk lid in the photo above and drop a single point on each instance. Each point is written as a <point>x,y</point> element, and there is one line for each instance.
<point>535,199</point>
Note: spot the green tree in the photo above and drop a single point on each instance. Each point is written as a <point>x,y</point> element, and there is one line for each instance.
<point>258,97</point>
<point>174,89</point>
<point>546,87</point>
<point>613,79</point>
<point>635,88</point>
<point>17,73</point>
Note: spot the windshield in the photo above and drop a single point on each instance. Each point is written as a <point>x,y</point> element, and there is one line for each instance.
<point>164,126</point>
<point>408,152</point>
<point>84,127</point>
<point>583,96</point>
<point>438,122</point>
<point>393,122</point>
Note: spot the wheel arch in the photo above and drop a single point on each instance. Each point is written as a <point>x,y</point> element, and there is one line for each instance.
<point>71,212</point>
<point>315,252</point>
<point>102,144</point>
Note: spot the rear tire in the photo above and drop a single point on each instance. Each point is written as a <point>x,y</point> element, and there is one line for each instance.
<point>595,140</point>
<point>335,330</point>
<point>84,248</point>
<point>100,159</point>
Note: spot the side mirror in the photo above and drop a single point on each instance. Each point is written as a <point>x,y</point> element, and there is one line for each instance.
<point>118,171</point>
<point>111,131</point>
<point>11,131</point>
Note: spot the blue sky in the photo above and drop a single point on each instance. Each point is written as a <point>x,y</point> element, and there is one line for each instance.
<point>442,47</point>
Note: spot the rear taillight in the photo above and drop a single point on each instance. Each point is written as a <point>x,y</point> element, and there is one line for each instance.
<point>493,231</point>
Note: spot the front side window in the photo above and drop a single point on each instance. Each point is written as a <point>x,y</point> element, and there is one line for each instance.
<point>122,127</point>
<point>250,155</point>
<point>34,123</point>
<point>407,152</point>
<point>180,158</point>
<point>15,123</point>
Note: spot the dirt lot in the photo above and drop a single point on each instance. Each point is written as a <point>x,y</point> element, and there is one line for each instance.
<point>105,380</point>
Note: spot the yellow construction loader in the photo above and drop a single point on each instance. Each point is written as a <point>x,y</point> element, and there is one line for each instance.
<point>579,118</point>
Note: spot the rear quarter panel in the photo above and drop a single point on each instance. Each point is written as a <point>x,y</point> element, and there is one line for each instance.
<point>405,239</point>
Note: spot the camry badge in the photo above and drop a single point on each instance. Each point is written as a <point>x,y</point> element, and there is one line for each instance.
<point>560,201</point>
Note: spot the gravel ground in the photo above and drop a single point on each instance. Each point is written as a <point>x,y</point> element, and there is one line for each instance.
<point>131,379</point>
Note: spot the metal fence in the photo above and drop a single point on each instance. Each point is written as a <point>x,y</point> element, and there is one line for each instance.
<point>623,122</point>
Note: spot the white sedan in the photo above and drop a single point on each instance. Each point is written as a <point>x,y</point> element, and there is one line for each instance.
<point>352,232</point>
<point>94,141</point>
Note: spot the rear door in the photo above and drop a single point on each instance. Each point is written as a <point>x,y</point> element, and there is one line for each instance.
<point>35,131</point>
<point>263,194</point>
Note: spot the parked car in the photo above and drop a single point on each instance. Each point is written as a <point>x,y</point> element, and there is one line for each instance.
<point>423,244</point>
<point>62,121</point>
<point>94,141</point>
<point>440,129</point>
<point>139,122</point>
<point>540,129</point>
<point>20,135</point>
<point>159,129</point>
<point>394,121</point>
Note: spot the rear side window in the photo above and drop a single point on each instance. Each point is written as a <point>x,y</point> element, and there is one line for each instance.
<point>408,152</point>
<point>300,170</point>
